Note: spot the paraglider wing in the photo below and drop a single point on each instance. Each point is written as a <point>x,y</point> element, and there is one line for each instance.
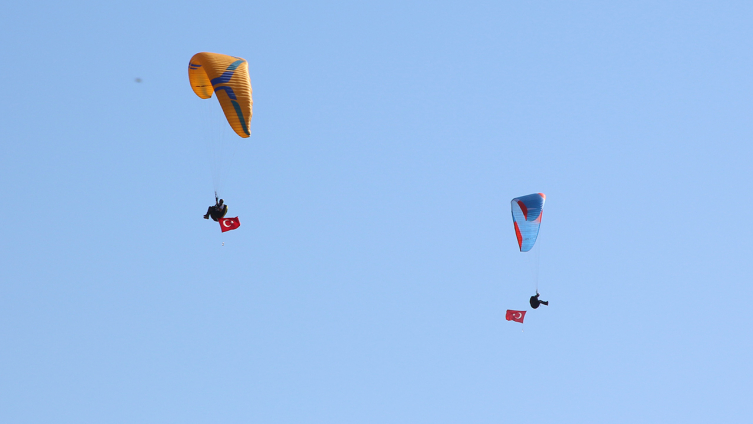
<point>526,217</point>
<point>227,76</point>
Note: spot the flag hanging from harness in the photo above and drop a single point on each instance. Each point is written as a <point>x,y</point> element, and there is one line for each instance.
<point>227,224</point>
<point>516,316</point>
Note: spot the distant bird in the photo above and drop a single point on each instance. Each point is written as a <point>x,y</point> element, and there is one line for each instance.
<point>138,79</point>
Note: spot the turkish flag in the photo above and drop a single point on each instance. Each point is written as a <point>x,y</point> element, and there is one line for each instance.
<point>227,224</point>
<point>516,316</point>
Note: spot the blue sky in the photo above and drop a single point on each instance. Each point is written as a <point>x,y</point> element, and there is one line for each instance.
<point>376,258</point>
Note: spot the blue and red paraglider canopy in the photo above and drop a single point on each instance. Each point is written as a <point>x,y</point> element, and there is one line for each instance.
<point>526,216</point>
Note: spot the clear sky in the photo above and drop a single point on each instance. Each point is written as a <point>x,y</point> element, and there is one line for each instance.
<point>369,279</point>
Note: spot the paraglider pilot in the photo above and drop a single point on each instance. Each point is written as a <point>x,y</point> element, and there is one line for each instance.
<point>217,211</point>
<point>535,302</point>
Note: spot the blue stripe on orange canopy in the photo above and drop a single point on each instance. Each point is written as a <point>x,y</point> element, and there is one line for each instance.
<point>526,218</point>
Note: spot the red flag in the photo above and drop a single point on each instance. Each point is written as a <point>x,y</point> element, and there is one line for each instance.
<point>227,224</point>
<point>516,316</point>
